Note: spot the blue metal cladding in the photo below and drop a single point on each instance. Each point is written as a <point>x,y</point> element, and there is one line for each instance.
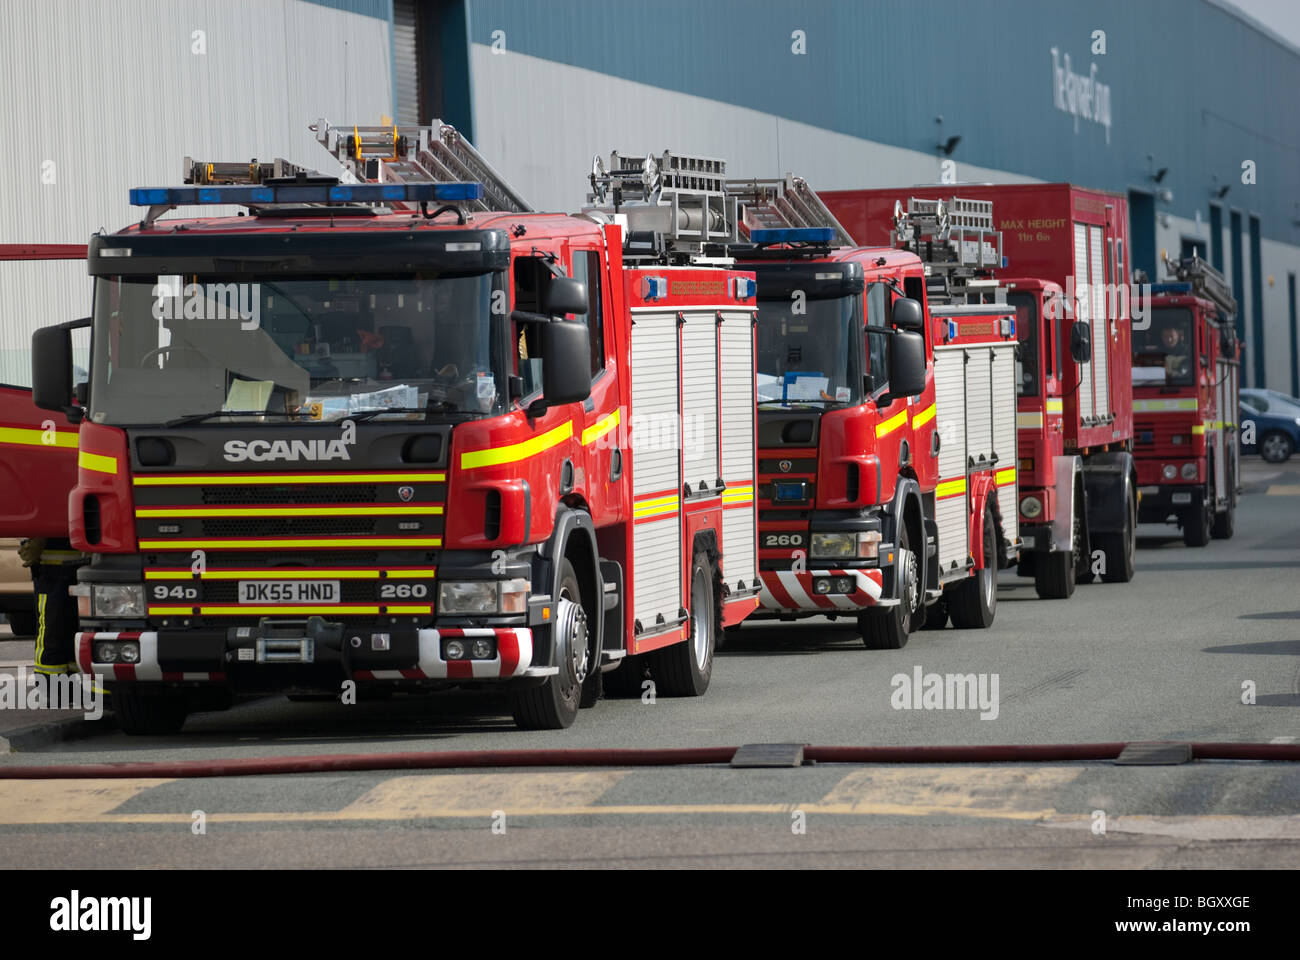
<point>1192,85</point>
<point>379,9</point>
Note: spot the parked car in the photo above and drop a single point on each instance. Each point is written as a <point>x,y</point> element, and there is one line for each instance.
<point>17,601</point>
<point>1277,424</point>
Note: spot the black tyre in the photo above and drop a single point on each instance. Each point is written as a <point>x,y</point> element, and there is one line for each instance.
<point>887,628</point>
<point>1198,522</point>
<point>684,669</point>
<point>141,713</point>
<point>1276,446</point>
<point>1054,575</point>
<point>1120,548</point>
<point>554,704</point>
<point>973,603</point>
<point>626,679</point>
<point>936,615</point>
<point>22,622</point>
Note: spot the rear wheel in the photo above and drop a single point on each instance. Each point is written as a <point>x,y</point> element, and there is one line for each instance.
<point>626,679</point>
<point>936,615</point>
<point>142,713</point>
<point>1120,548</point>
<point>887,628</point>
<point>1197,523</point>
<point>1225,522</point>
<point>974,602</point>
<point>684,669</point>
<point>554,704</point>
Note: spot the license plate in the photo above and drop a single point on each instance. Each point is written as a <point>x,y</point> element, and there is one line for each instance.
<point>289,591</point>
<point>1182,498</point>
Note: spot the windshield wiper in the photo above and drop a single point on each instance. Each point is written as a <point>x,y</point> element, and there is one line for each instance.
<point>200,417</point>
<point>434,406</point>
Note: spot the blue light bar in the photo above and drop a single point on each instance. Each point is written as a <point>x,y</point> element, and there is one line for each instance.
<point>239,195</point>
<point>822,235</point>
<point>1170,288</point>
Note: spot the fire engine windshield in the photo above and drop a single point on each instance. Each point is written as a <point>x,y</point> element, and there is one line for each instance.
<point>305,349</point>
<point>1163,353</point>
<point>810,351</point>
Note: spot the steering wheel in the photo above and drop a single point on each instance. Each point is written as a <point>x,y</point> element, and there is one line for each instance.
<point>159,351</point>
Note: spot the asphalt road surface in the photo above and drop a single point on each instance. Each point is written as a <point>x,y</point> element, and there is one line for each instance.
<point>1170,656</point>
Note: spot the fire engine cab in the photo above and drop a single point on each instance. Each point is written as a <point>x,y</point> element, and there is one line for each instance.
<point>1186,362</point>
<point>394,430</point>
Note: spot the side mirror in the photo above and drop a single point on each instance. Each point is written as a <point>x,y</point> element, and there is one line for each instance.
<point>52,371</point>
<point>565,295</point>
<point>906,363</point>
<point>1081,341</point>
<point>906,315</point>
<point>566,362</point>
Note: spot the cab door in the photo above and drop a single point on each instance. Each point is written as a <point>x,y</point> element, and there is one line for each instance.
<point>602,461</point>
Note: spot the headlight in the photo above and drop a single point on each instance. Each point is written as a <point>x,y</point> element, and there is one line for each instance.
<point>838,545</point>
<point>1189,471</point>
<point>479,596</point>
<point>484,597</point>
<point>117,599</point>
<point>1031,507</point>
<point>1170,471</point>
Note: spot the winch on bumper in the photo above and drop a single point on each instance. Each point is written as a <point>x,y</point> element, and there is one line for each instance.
<point>279,654</point>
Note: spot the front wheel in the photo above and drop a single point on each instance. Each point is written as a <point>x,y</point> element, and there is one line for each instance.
<point>142,713</point>
<point>1120,549</point>
<point>1276,447</point>
<point>684,669</point>
<point>888,628</point>
<point>1198,523</point>
<point>554,704</point>
<point>974,601</point>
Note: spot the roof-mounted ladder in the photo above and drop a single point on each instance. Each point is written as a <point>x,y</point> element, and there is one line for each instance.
<point>410,154</point>
<point>955,239</point>
<point>788,203</point>
<point>681,200</point>
<point>1206,281</point>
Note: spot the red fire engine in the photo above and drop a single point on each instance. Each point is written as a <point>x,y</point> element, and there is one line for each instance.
<point>1066,273</point>
<point>354,438</point>
<point>877,470</point>
<point>1186,362</point>
<point>38,462</point>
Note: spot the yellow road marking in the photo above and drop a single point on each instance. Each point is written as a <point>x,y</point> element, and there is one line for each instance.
<point>1284,490</point>
<point>63,801</point>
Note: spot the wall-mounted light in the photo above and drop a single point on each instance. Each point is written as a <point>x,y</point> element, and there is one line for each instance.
<point>1222,191</point>
<point>1159,175</point>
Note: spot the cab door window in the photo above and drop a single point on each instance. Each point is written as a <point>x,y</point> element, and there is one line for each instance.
<point>878,302</point>
<point>586,269</point>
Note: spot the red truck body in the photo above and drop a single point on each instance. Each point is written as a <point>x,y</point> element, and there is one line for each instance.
<point>600,530</point>
<point>1078,483</point>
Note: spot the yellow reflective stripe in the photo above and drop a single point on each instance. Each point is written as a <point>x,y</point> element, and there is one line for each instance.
<point>283,544</point>
<point>296,573</point>
<point>1029,421</point>
<point>1055,406</point>
<point>924,417</point>
<point>244,611</point>
<point>738,494</point>
<point>657,505</point>
<point>892,424</point>
<point>1159,406</point>
<point>367,511</point>
<point>1005,476</point>
<point>950,488</point>
<point>600,428</point>
<point>1198,429</point>
<point>207,480</point>
<point>36,438</point>
<point>514,452</point>
<point>93,461</point>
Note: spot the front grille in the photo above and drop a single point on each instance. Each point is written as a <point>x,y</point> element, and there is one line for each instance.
<point>287,526</point>
<point>307,495</point>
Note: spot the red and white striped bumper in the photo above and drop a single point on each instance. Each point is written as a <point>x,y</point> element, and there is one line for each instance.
<point>514,657</point>
<point>788,590</point>
<point>147,669</point>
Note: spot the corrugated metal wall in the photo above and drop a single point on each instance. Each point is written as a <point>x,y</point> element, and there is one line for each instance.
<point>98,97</point>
